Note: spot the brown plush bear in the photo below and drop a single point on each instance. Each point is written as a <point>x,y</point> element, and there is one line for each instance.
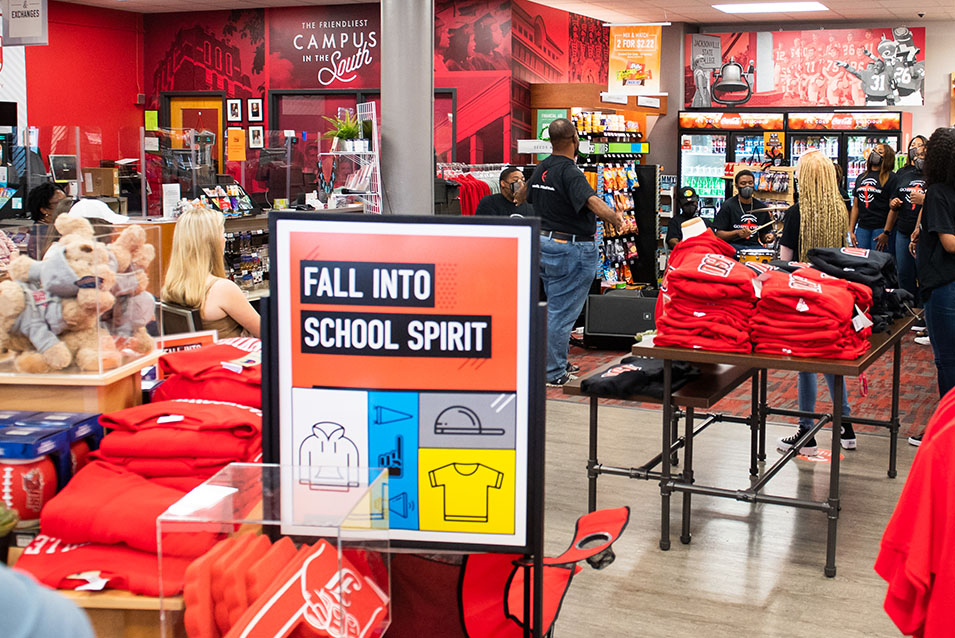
<point>134,308</point>
<point>60,302</point>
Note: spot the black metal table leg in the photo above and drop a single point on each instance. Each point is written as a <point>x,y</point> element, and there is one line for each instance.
<point>894,419</point>
<point>687,474</point>
<point>833,502</point>
<point>665,455</point>
<point>592,461</point>
<point>763,404</point>
<point>754,426</point>
<point>674,435</point>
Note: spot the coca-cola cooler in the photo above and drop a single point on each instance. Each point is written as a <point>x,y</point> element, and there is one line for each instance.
<point>846,137</point>
<point>708,140</point>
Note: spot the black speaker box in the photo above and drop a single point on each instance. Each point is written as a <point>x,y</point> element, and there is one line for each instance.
<point>612,319</point>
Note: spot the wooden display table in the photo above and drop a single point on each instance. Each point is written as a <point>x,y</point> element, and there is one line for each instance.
<point>79,392</point>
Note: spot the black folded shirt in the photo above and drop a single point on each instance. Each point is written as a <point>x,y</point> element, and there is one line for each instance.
<point>637,375</point>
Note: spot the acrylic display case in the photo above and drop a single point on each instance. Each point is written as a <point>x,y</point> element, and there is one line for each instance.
<point>181,157</point>
<point>316,558</point>
<point>86,309</point>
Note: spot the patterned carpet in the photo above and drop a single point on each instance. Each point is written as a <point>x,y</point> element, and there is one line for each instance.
<point>918,397</point>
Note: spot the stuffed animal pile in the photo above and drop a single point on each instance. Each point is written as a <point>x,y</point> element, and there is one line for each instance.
<point>83,304</point>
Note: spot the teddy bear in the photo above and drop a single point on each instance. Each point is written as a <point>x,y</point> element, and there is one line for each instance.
<point>134,308</point>
<point>55,319</point>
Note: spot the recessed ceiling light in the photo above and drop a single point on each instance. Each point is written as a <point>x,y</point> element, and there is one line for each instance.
<point>771,7</point>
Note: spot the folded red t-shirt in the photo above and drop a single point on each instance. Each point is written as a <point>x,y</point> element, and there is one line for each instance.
<point>51,561</point>
<point>110,505</point>
<point>172,443</point>
<point>187,414</point>
<point>153,468</point>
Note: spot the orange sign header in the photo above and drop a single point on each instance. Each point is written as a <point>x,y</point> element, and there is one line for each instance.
<point>845,121</point>
<point>733,121</point>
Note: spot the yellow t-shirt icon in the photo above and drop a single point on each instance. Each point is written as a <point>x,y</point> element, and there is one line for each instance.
<point>466,488</point>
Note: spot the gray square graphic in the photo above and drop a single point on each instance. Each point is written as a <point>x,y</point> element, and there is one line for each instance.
<point>475,420</point>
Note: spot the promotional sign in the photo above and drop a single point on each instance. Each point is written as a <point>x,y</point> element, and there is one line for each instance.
<point>634,67</point>
<point>235,144</point>
<point>732,121</point>
<point>325,47</point>
<point>24,22</point>
<point>846,121</point>
<point>544,118</point>
<point>392,352</point>
<point>818,68</point>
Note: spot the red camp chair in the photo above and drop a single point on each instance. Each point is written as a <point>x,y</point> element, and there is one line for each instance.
<point>489,614</point>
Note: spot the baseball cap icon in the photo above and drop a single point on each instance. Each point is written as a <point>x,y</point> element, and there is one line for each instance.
<point>459,419</point>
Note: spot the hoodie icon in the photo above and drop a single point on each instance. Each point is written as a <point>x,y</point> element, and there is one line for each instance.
<point>328,458</point>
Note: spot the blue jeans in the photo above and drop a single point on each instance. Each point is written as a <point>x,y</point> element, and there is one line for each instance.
<point>905,262</point>
<point>567,269</point>
<point>865,237</point>
<point>940,319</point>
<point>807,396</point>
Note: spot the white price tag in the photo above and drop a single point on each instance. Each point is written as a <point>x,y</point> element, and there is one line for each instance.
<point>860,321</point>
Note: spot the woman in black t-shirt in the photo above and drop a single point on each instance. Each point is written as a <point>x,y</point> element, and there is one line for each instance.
<point>819,220</point>
<point>870,201</point>
<point>905,205</point>
<point>936,253</point>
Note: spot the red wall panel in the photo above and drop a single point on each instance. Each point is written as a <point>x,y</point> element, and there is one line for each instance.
<point>89,74</point>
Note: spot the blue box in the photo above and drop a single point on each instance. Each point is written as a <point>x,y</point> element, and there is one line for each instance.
<point>82,425</point>
<point>9,417</point>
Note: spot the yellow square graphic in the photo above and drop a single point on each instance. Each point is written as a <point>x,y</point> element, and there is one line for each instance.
<point>464,490</point>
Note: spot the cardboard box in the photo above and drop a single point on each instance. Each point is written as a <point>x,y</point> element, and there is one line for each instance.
<point>101,181</point>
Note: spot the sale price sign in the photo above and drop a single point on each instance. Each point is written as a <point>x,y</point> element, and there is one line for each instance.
<point>634,60</point>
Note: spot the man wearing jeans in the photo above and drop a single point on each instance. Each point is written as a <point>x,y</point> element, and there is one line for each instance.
<point>567,206</point>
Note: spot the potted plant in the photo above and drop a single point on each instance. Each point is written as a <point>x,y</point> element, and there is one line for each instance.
<point>346,128</point>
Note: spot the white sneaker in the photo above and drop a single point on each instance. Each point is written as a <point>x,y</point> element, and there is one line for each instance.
<point>923,341</point>
<point>808,449</point>
<point>919,328</point>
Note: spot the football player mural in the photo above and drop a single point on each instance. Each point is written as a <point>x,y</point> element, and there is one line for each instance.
<point>819,68</point>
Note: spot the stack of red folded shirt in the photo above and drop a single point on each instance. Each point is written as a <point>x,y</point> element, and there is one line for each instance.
<point>229,370</point>
<point>709,299</point>
<point>104,521</point>
<point>181,443</point>
<point>809,314</point>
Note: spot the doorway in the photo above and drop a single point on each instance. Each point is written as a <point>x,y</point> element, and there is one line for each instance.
<point>199,111</point>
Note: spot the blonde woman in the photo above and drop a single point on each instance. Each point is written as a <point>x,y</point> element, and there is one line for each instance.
<point>818,220</point>
<point>196,276</point>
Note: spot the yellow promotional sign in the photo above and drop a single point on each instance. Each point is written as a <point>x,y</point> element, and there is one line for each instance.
<point>634,60</point>
<point>235,145</point>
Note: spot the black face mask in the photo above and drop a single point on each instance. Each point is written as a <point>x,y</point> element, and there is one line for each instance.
<point>918,163</point>
<point>912,153</point>
<point>875,159</point>
<point>746,192</point>
<point>689,208</point>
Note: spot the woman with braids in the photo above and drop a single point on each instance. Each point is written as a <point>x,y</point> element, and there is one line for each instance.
<point>870,201</point>
<point>818,220</point>
<point>935,259</point>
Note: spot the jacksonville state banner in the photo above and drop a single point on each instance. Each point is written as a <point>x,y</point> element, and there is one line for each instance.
<point>819,68</point>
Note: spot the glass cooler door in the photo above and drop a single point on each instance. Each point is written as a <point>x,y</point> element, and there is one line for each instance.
<point>703,161</point>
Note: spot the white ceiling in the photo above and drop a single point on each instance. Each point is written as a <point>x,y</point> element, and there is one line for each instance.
<point>694,11</point>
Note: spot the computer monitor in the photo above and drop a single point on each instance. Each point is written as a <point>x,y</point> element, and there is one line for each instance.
<point>63,168</point>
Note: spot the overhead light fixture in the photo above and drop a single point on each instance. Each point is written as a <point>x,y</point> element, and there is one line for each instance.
<point>771,7</point>
<point>637,24</point>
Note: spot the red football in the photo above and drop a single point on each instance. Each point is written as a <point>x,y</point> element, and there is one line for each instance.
<point>26,485</point>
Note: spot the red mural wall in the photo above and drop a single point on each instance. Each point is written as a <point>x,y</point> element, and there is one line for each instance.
<point>89,76</point>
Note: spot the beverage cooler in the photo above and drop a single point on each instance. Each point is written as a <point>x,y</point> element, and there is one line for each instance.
<point>708,140</point>
<point>845,137</point>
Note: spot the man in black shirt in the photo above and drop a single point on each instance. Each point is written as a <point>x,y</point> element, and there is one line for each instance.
<point>502,204</point>
<point>741,215</point>
<point>687,202</point>
<point>566,204</point>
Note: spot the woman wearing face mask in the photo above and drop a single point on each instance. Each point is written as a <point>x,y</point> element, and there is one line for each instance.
<point>870,201</point>
<point>904,208</point>
<point>818,220</point>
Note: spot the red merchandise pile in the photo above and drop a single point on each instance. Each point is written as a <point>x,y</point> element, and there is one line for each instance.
<point>917,556</point>
<point>230,371</point>
<point>706,299</point>
<point>104,521</point>
<point>810,314</point>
